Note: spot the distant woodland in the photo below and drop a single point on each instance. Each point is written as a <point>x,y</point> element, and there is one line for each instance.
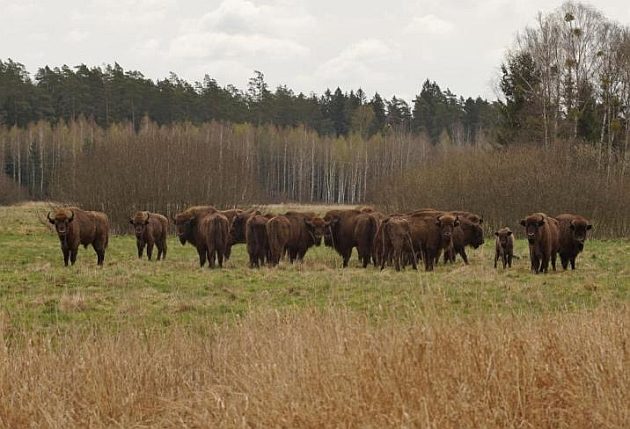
<point>111,138</point>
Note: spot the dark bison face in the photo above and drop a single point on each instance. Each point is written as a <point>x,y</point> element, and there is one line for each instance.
<point>473,233</point>
<point>578,231</point>
<point>532,228</point>
<point>237,229</point>
<point>447,223</point>
<point>139,224</point>
<point>184,229</point>
<point>330,231</point>
<point>503,236</point>
<point>62,221</point>
<point>317,228</point>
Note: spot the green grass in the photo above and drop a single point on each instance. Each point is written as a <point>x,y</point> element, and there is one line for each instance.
<point>38,293</point>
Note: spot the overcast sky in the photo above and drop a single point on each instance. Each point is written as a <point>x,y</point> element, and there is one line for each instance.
<point>385,46</point>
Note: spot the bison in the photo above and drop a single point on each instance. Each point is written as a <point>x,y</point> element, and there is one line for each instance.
<point>341,234</point>
<point>504,247</point>
<point>189,229</point>
<point>75,226</point>
<point>150,229</point>
<point>230,214</point>
<point>431,233</point>
<point>397,243</point>
<point>257,242</point>
<point>365,228</point>
<point>306,231</point>
<point>542,235</point>
<point>468,233</point>
<point>572,235</point>
<point>278,235</point>
<point>215,228</point>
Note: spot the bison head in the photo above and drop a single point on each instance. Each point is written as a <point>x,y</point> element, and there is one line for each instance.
<point>447,223</point>
<point>62,221</point>
<point>578,229</point>
<point>184,227</point>
<point>532,226</point>
<point>472,232</point>
<point>140,222</point>
<point>316,228</point>
<point>237,228</point>
<point>503,236</point>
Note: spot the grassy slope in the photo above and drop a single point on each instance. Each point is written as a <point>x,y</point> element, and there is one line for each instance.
<point>37,292</point>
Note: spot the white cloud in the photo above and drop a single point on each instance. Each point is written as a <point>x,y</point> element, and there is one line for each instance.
<point>222,45</point>
<point>429,24</point>
<point>76,36</point>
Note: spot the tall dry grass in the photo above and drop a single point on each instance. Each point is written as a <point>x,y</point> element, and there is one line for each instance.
<point>312,369</point>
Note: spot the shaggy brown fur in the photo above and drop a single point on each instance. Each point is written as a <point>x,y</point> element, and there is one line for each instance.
<point>230,214</point>
<point>572,230</point>
<point>75,226</point>
<point>365,228</point>
<point>341,233</point>
<point>278,235</point>
<point>151,229</point>
<point>431,233</point>
<point>542,235</point>
<point>397,242</point>
<point>257,241</point>
<point>215,228</point>
<point>504,247</point>
<point>467,233</point>
<point>307,230</point>
<point>188,226</point>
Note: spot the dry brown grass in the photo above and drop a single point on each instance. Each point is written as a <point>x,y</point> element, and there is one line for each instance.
<point>313,369</point>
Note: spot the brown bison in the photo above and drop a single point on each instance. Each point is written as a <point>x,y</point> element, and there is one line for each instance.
<point>573,229</point>
<point>278,235</point>
<point>257,242</point>
<point>397,243</point>
<point>504,247</point>
<point>150,229</point>
<point>307,230</point>
<point>542,235</point>
<point>469,232</point>
<point>341,233</point>
<point>432,233</point>
<point>189,229</point>
<point>230,214</point>
<point>75,226</point>
<point>365,228</point>
<point>216,229</point>
<point>238,226</point>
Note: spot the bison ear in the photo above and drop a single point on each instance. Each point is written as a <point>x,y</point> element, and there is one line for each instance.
<point>131,221</point>
<point>541,222</point>
<point>496,233</point>
<point>308,222</point>
<point>589,226</point>
<point>480,221</point>
<point>509,233</point>
<point>456,223</point>
<point>523,222</point>
<point>51,220</point>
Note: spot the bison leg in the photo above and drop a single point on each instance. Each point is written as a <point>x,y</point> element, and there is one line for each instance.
<point>149,250</point>
<point>564,260</point>
<point>164,247</point>
<point>346,257</point>
<point>554,257</point>
<point>140,246</point>
<point>573,262</point>
<point>66,256</point>
<point>73,255</point>
<point>220,259</point>
<point>509,260</point>
<point>202,257</point>
<point>462,253</point>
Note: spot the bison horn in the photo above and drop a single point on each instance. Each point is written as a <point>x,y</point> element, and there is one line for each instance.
<point>147,219</point>
<point>51,220</point>
<point>71,216</point>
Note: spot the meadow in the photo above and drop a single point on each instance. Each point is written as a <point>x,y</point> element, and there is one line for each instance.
<point>139,343</point>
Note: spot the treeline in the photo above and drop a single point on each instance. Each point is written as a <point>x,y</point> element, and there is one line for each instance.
<point>109,95</point>
<point>164,168</point>
<point>568,77</point>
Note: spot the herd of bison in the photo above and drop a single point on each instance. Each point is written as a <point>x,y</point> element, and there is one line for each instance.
<point>397,239</point>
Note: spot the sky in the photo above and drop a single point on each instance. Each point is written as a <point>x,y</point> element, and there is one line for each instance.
<point>309,45</point>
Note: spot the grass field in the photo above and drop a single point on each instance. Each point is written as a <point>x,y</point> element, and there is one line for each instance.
<point>139,343</point>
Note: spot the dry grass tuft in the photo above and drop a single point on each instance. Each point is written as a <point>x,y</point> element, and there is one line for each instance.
<point>73,302</point>
<point>333,368</point>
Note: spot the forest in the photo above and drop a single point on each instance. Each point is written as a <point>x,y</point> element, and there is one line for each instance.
<point>110,138</point>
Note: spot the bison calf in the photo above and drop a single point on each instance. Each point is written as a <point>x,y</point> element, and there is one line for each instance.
<point>151,230</point>
<point>397,242</point>
<point>573,230</point>
<point>504,247</point>
<point>75,226</point>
